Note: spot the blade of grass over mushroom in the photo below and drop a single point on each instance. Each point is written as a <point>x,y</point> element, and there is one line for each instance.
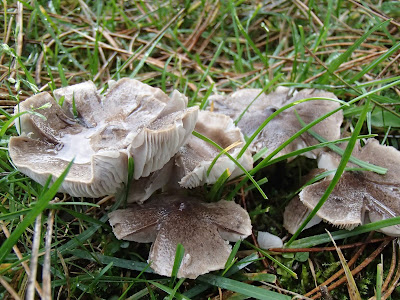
<point>293,274</point>
<point>260,182</point>
<point>242,288</point>
<point>204,138</point>
<point>215,191</point>
<point>231,259</point>
<point>264,162</point>
<point>363,164</point>
<point>325,144</point>
<point>259,154</point>
<point>237,143</point>
<point>339,171</point>
<point>344,56</point>
<point>179,253</point>
<point>37,209</point>
<point>277,112</point>
<point>131,169</point>
<point>16,116</point>
<point>269,84</point>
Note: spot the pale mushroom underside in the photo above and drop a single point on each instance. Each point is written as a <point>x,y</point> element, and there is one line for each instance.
<point>100,133</point>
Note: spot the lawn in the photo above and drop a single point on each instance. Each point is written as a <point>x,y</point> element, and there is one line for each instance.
<point>54,246</point>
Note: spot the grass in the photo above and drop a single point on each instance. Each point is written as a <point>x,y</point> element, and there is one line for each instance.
<point>350,48</point>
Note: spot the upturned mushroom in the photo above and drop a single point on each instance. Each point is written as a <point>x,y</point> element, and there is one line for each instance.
<point>169,220</point>
<point>190,167</point>
<point>251,112</point>
<point>359,196</point>
<point>100,132</point>
<point>194,159</point>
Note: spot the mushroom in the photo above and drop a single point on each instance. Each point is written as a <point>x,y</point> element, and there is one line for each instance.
<point>268,240</point>
<point>100,133</point>
<point>284,125</point>
<point>195,157</point>
<point>360,196</point>
<point>202,228</point>
<point>189,167</point>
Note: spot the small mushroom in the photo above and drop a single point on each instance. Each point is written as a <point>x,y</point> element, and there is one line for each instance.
<point>100,132</point>
<point>195,157</point>
<point>361,195</point>
<point>284,125</point>
<point>202,228</point>
<point>268,240</point>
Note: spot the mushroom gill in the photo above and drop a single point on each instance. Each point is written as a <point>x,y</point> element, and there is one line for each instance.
<point>100,132</point>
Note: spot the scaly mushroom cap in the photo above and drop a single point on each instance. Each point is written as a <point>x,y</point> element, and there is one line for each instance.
<point>283,126</point>
<point>196,156</point>
<point>201,228</point>
<point>360,192</point>
<point>100,132</point>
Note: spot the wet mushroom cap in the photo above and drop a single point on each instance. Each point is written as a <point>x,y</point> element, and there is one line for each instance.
<point>361,192</point>
<point>285,124</point>
<point>195,157</point>
<point>100,131</point>
<point>202,229</point>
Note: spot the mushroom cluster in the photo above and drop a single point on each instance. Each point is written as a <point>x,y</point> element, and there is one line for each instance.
<point>102,131</point>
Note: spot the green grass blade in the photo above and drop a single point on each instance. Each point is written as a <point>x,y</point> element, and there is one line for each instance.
<point>30,217</point>
<point>343,234</point>
<point>267,120</point>
<point>242,288</point>
<point>339,171</point>
<point>204,76</point>
<point>179,253</point>
<point>293,274</point>
<point>204,138</point>
<point>376,62</point>
<point>379,281</point>
<point>344,56</point>
<point>218,185</point>
<point>247,37</point>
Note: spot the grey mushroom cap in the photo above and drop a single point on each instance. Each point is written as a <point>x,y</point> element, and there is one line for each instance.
<point>284,125</point>
<point>295,214</point>
<point>195,157</point>
<point>100,132</point>
<point>202,229</point>
<point>362,195</point>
